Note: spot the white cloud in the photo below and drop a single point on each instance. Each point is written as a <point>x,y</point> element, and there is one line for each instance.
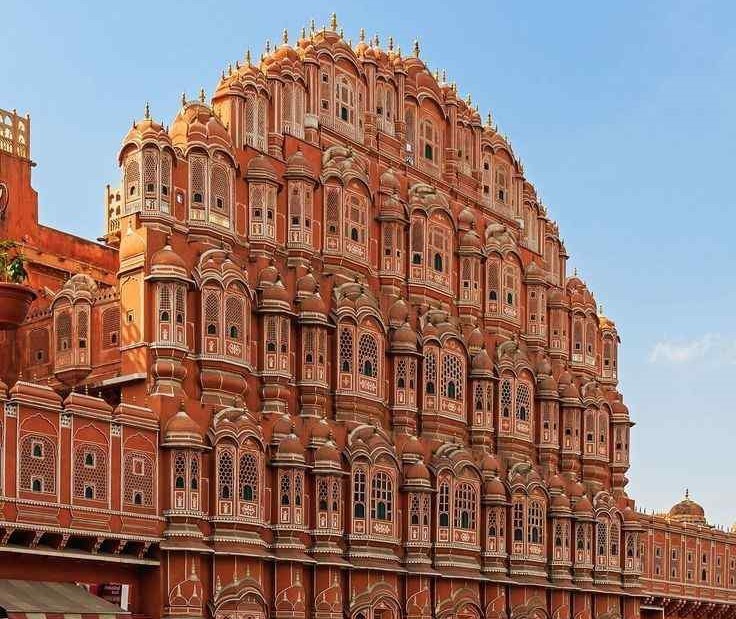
<point>684,351</point>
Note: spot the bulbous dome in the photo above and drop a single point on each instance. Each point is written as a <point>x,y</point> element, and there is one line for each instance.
<point>268,275</point>
<point>146,130</point>
<point>687,510</point>
<point>307,284</point>
<point>489,463</point>
<point>475,339</point>
<point>276,292</point>
<point>196,123</point>
<point>560,501</point>
<point>313,304</point>
<point>282,426</point>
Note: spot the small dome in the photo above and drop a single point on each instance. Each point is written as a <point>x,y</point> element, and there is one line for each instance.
<point>619,408</point>
<point>260,168</point>
<point>404,338</point>
<point>197,123</point>
<point>583,506</point>
<point>276,292</point>
<point>560,501</point>
<point>466,219</point>
<point>495,487</point>
<point>556,483</point>
<point>146,130</point>
<point>470,240</point>
<point>282,426</point>
<point>416,472</point>
<point>482,362</point>
<point>548,383</point>
<point>181,429</point>
<point>390,182</point>
<point>313,304</point>
<point>321,431</point>
<point>399,312</point>
<point>268,275</point>
<point>412,447</point>
<point>327,455</point>
<point>297,166</point>
<point>629,515</point>
<point>687,510</point>
<point>307,284</point>
<point>167,257</point>
<point>489,463</point>
<point>290,448</point>
<point>475,339</point>
<point>131,244</point>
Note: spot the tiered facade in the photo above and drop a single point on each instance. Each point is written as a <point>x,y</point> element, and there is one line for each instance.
<point>327,363</point>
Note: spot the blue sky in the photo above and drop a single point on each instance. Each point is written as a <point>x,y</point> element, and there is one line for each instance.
<point>622,112</point>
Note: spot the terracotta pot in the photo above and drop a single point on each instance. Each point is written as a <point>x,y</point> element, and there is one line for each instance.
<point>15,301</point>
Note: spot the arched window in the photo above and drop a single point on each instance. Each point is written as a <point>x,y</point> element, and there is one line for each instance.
<point>502,183</point>
<point>180,467</point>
<point>518,520</point>
<point>346,350</point>
<point>428,141</point>
<point>285,489</point>
<point>465,506</point>
<point>368,355</point>
<point>197,186</point>
<point>536,522</point>
<point>381,496</point>
<point>248,477</point>
<point>256,122</point>
<point>523,401</point>
<point>443,504</point>
<point>430,371</point>
<point>63,331</point>
<point>417,241</point>
<point>345,99</point>
<point>453,376</point>
<point>225,475</point>
<point>359,493</point>
<point>486,178</point>
<point>220,196</point>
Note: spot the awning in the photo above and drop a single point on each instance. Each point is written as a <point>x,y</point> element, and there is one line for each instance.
<point>27,599</point>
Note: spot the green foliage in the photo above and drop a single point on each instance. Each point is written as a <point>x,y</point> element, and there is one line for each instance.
<point>12,263</point>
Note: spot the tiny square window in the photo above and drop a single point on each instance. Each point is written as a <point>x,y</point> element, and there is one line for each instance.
<point>139,466</point>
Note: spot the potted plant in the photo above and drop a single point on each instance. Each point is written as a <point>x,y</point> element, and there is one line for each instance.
<point>15,297</point>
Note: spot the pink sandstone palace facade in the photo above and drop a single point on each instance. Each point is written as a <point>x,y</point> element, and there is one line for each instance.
<point>326,362</point>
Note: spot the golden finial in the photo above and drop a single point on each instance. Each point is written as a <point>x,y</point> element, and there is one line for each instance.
<point>304,33</point>
<point>342,33</point>
<point>600,309</point>
<point>444,76</point>
<point>436,75</point>
<point>201,95</point>
<point>390,44</point>
<point>247,58</point>
<point>268,46</point>
<point>285,37</point>
<point>575,272</point>
<point>489,119</point>
<point>147,112</point>
<point>350,42</point>
<point>312,26</point>
<point>469,100</point>
<point>376,40</point>
<point>416,48</point>
<point>333,22</point>
<point>237,65</point>
<point>222,75</point>
<point>362,35</point>
<point>687,493</point>
<point>230,68</point>
<point>398,51</point>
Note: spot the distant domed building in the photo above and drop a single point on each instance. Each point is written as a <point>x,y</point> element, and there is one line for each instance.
<point>326,362</point>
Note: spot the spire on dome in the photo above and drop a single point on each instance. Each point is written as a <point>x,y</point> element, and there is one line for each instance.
<point>333,22</point>
<point>202,96</point>
<point>147,112</point>
<point>390,44</point>
<point>285,37</point>
<point>247,58</point>
<point>416,48</point>
<point>361,36</point>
